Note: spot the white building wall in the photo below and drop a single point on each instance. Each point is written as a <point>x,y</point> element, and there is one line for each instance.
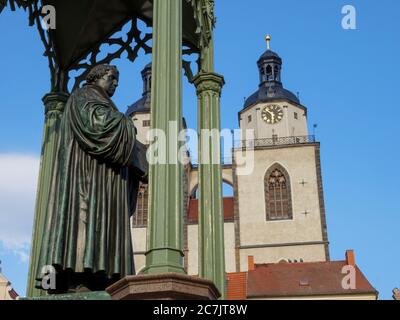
<point>288,127</point>
<point>193,267</point>
<point>138,120</point>
<point>139,247</point>
<point>5,288</point>
<point>255,230</point>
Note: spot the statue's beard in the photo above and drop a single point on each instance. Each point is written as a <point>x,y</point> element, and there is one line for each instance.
<point>111,92</point>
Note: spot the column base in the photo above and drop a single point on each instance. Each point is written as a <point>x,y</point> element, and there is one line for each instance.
<point>169,286</point>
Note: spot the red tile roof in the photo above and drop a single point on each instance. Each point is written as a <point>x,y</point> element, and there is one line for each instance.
<point>13,294</point>
<point>303,279</point>
<point>193,216</point>
<point>237,286</point>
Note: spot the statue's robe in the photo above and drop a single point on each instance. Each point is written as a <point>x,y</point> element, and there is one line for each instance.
<point>93,192</point>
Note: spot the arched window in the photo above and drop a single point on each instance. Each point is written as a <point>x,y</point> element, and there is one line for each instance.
<point>276,73</point>
<point>263,76</point>
<point>268,72</point>
<point>142,208</point>
<point>277,194</point>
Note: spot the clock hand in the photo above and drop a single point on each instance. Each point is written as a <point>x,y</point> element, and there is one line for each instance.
<point>272,114</point>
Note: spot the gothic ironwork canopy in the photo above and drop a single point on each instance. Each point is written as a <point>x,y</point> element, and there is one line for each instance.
<point>82,25</point>
<point>179,27</point>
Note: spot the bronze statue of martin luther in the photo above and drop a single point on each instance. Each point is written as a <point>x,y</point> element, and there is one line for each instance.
<point>87,236</point>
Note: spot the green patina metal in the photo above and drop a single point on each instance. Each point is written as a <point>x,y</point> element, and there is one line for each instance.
<point>54,108</point>
<point>211,213</point>
<point>175,22</point>
<point>165,241</point>
<point>211,218</point>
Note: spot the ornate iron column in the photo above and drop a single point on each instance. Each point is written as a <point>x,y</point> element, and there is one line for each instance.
<point>211,213</point>
<point>54,108</point>
<point>54,103</point>
<point>165,228</point>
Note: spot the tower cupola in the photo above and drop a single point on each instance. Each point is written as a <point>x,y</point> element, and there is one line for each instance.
<point>270,88</point>
<point>144,103</point>
<point>146,76</point>
<point>270,65</point>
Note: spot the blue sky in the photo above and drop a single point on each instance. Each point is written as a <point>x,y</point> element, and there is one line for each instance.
<point>348,79</point>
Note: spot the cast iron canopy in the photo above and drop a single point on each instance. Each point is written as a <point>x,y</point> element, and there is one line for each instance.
<point>83,24</point>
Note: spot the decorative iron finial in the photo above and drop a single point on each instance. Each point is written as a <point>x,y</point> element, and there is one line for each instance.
<point>268,39</point>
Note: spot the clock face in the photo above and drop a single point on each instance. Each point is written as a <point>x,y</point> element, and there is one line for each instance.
<point>272,114</point>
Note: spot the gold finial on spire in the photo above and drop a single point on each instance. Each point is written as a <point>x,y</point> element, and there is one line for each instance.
<point>268,39</point>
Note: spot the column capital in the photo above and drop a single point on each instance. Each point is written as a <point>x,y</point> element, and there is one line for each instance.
<point>55,102</point>
<point>209,81</point>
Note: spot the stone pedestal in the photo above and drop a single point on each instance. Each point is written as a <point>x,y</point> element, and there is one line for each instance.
<point>169,286</point>
<point>84,296</point>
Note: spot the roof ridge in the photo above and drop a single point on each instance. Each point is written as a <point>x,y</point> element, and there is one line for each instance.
<point>299,263</point>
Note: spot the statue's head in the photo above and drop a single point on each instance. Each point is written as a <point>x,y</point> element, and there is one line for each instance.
<point>105,76</point>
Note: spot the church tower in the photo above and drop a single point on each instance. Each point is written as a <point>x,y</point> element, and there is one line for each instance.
<point>272,111</point>
<point>279,206</point>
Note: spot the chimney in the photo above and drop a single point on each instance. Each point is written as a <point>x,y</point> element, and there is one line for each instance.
<point>251,266</point>
<point>350,258</point>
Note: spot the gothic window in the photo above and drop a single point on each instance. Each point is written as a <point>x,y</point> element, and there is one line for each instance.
<point>277,194</point>
<point>141,214</point>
